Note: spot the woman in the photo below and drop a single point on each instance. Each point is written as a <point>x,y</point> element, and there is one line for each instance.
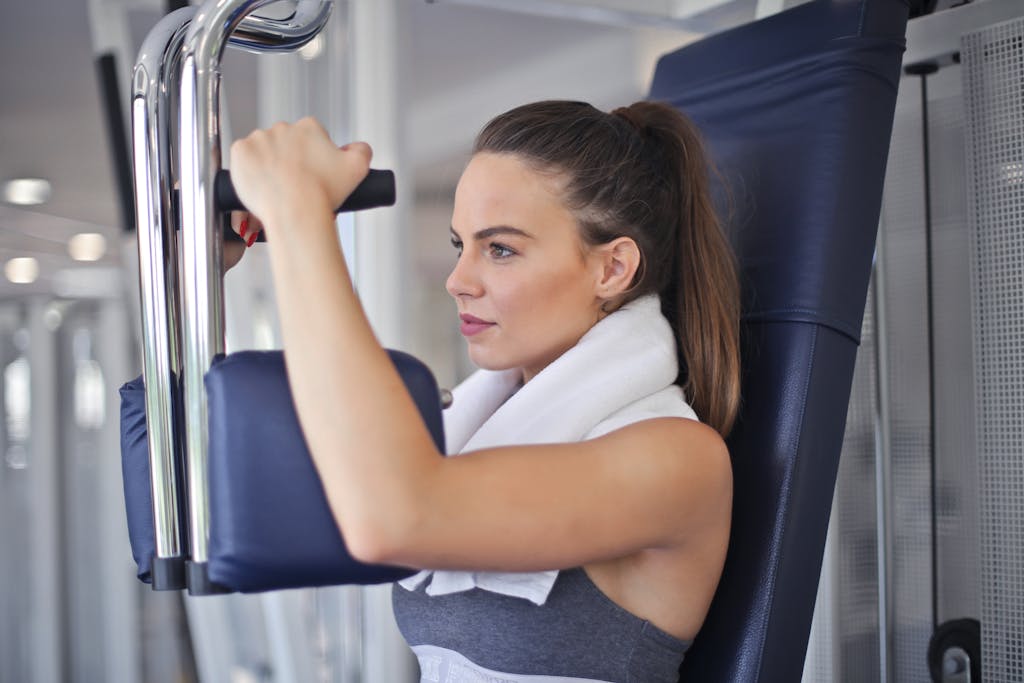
<point>579,448</point>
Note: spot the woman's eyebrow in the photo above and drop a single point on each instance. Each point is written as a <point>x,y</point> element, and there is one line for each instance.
<point>495,230</point>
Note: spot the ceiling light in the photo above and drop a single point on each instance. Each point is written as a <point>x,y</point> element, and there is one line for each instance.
<point>27,191</point>
<point>22,270</point>
<point>87,246</point>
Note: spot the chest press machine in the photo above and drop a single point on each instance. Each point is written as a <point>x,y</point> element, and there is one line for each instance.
<point>796,111</point>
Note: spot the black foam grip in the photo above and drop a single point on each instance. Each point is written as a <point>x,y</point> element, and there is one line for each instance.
<point>377,189</point>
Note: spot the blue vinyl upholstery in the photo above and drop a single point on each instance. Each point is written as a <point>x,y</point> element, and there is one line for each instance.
<point>138,499</point>
<point>797,112</point>
<point>270,525</point>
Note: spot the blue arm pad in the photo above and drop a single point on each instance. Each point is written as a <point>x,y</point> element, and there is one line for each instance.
<point>138,501</point>
<point>270,525</point>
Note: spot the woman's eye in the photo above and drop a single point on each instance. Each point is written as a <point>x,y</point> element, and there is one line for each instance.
<point>458,245</point>
<point>500,251</point>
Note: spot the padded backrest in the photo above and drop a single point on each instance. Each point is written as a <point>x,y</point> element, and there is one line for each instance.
<point>797,113</point>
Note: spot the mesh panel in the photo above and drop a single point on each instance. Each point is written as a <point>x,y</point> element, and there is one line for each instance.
<point>993,65</point>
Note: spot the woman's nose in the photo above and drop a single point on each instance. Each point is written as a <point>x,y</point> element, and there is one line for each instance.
<point>463,281</point>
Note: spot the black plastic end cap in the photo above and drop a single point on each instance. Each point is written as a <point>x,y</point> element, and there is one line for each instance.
<point>168,573</point>
<point>926,68</point>
<point>199,580</point>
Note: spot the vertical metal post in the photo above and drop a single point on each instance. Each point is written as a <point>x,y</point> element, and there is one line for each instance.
<point>153,78</point>
<point>120,597</point>
<point>46,560</point>
<point>883,469</point>
<point>203,317</point>
<point>378,35</point>
<point>203,291</point>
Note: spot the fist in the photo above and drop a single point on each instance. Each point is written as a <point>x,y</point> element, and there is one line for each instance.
<point>293,167</point>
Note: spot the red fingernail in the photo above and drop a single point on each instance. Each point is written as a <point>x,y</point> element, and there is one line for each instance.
<point>345,147</point>
<point>243,227</point>
<point>252,239</point>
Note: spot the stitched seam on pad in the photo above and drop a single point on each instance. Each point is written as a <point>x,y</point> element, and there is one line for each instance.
<point>815,318</point>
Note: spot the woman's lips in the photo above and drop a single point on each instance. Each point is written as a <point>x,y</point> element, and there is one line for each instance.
<point>472,325</point>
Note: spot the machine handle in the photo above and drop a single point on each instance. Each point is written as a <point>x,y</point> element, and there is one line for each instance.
<point>377,189</point>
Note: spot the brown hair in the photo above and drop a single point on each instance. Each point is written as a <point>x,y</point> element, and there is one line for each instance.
<point>641,172</point>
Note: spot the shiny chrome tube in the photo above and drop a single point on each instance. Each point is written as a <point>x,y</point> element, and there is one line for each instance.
<point>203,291</point>
<point>155,82</point>
<point>279,35</point>
<point>158,284</point>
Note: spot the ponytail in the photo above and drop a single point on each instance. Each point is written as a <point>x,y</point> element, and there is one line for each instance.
<point>641,172</point>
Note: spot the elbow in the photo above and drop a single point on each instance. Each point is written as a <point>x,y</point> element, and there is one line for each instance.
<point>369,546</point>
<point>380,538</point>
<point>383,523</point>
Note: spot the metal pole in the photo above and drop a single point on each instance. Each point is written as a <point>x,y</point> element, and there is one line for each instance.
<point>376,117</point>
<point>883,470</point>
<point>46,627</point>
<point>158,288</point>
<point>203,292</point>
<point>155,80</point>
<point>378,29</point>
<point>122,657</point>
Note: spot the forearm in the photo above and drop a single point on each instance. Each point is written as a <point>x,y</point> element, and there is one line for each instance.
<point>365,434</point>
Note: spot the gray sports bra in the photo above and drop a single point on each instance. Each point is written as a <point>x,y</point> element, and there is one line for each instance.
<point>579,634</point>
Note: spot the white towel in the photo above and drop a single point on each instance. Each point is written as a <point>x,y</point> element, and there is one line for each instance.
<point>620,372</point>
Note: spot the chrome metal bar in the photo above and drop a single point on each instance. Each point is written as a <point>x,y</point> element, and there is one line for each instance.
<point>203,292</point>
<point>156,79</point>
<point>158,267</point>
<point>278,35</point>
<point>883,468</point>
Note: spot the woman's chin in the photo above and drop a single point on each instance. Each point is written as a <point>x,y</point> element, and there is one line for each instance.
<point>486,361</point>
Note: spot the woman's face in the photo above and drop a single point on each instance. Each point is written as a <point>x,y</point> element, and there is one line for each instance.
<point>525,285</point>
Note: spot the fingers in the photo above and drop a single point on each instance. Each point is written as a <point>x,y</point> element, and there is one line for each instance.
<point>236,220</point>
<point>247,226</point>
<point>274,170</point>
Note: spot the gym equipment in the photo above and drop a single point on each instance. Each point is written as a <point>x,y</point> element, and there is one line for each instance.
<point>797,111</point>
<point>171,444</point>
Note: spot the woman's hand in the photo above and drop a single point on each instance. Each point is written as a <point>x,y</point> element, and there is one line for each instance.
<point>246,226</point>
<point>291,168</point>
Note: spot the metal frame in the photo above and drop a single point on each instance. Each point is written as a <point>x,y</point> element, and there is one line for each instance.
<point>180,339</point>
<point>936,37</point>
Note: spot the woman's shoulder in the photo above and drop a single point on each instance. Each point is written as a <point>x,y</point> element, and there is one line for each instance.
<point>680,448</point>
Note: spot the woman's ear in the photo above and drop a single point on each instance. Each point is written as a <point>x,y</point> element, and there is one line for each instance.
<point>619,260</point>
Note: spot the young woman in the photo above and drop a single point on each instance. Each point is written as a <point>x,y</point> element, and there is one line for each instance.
<point>581,532</point>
